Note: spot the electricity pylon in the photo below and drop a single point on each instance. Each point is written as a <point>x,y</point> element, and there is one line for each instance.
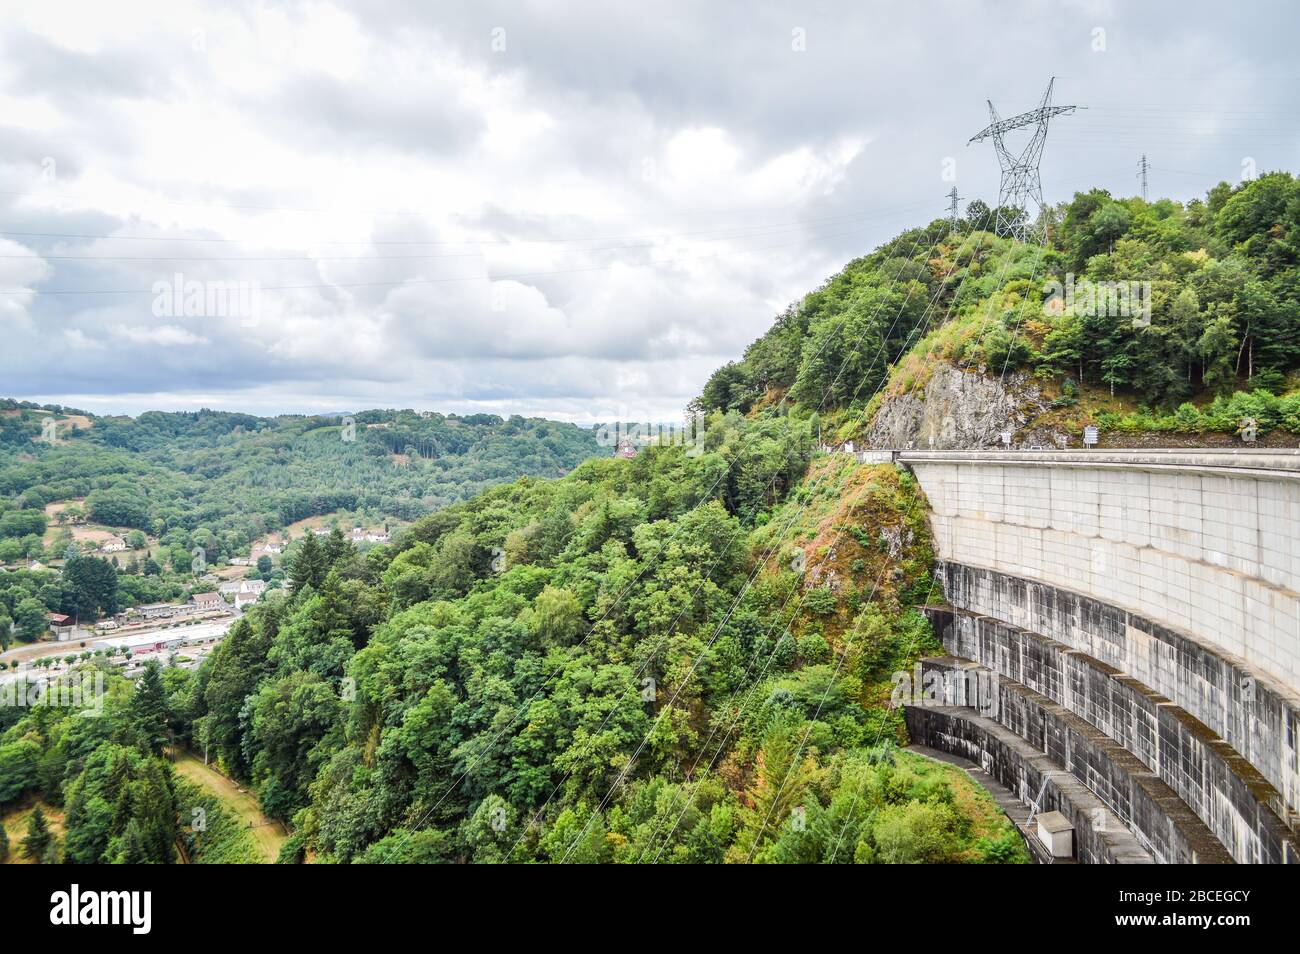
<point>1143,167</point>
<point>953,199</point>
<point>1020,181</point>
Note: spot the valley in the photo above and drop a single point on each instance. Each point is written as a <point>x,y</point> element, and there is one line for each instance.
<point>521,646</point>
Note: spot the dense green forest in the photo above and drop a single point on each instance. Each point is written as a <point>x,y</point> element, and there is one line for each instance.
<point>232,478</point>
<point>242,476</point>
<point>681,657</point>
<point>598,668</point>
<point>1220,339</point>
<point>181,485</point>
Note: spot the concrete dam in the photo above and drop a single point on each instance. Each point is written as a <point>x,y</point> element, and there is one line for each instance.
<point>1122,639</point>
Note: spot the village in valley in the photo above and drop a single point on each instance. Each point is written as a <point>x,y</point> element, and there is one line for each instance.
<point>180,633</point>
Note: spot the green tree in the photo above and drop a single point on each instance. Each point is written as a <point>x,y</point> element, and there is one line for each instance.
<point>557,616</point>
<point>89,588</point>
<point>336,547</point>
<point>30,618</point>
<point>38,837</point>
<point>308,566</point>
<point>119,506</point>
<point>915,833</point>
<point>149,716</point>
<point>117,785</point>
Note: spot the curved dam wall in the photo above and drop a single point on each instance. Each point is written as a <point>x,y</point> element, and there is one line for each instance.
<point>1136,796</point>
<point>1220,786</point>
<point>1026,770</point>
<point>1181,570</point>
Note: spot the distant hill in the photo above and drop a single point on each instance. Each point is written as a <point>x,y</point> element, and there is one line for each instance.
<point>241,476</point>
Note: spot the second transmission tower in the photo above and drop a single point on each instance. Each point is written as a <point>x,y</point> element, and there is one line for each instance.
<point>953,199</point>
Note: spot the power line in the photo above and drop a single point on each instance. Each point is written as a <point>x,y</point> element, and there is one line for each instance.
<point>810,225</point>
<point>473,242</point>
<point>445,280</point>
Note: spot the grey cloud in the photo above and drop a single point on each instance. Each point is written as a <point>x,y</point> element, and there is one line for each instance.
<point>907,81</point>
<point>43,68</point>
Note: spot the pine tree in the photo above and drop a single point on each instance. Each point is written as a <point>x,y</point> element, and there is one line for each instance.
<point>51,855</point>
<point>149,708</point>
<point>336,547</point>
<point>308,567</point>
<point>38,836</point>
<point>133,848</point>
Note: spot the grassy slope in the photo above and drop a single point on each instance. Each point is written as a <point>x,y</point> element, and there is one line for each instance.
<point>267,834</point>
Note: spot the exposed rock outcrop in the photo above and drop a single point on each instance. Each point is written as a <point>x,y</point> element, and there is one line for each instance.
<point>965,409</point>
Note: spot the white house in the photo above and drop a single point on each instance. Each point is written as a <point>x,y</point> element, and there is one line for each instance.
<point>113,545</point>
<point>234,587</point>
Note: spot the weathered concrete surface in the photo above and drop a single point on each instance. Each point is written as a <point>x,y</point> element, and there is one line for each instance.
<point>1203,543</point>
<point>1179,568</point>
<point>1148,807</point>
<point>1224,790</point>
<point>1252,715</point>
<point>1098,837</point>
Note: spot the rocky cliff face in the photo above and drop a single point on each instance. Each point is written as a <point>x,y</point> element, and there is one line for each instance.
<point>965,409</point>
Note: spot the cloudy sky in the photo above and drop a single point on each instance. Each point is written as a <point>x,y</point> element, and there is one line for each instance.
<point>487,206</point>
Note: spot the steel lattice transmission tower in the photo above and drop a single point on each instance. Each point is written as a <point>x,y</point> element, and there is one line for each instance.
<point>1021,185</point>
<point>953,199</point>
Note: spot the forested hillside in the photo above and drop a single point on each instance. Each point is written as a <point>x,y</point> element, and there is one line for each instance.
<point>672,658</point>
<point>686,656</point>
<point>238,477</point>
<point>1219,339</point>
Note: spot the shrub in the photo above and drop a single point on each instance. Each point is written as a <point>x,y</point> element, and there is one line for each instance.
<point>820,601</point>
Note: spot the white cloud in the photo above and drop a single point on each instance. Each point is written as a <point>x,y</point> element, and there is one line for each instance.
<point>591,219</point>
<point>166,335</point>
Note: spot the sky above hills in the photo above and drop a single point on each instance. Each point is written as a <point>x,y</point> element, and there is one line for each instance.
<point>493,207</point>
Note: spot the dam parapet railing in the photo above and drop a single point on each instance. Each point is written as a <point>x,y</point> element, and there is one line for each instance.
<point>1275,462</point>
